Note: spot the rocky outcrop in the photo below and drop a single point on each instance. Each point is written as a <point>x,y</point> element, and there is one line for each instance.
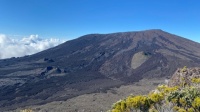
<point>184,76</point>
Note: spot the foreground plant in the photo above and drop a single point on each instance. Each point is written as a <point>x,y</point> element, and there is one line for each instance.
<point>182,98</point>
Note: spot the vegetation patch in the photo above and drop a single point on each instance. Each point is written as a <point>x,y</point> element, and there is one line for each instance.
<point>184,97</point>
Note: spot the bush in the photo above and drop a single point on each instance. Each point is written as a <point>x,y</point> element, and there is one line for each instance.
<point>182,98</point>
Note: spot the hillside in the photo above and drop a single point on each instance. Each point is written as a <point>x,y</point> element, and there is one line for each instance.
<point>91,64</point>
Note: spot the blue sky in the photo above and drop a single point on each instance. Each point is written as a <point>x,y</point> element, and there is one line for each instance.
<point>68,19</point>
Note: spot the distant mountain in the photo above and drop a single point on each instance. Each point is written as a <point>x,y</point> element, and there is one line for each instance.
<point>93,63</point>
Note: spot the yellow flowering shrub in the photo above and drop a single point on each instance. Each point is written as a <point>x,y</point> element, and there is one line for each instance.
<point>196,103</point>
<point>156,97</point>
<point>196,80</point>
<point>191,109</point>
<point>184,69</point>
<point>164,99</point>
<point>182,110</point>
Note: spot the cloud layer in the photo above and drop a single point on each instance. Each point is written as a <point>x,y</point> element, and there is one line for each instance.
<point>26,46</point>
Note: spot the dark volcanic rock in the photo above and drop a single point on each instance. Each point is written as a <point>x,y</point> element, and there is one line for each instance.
<point>49,68</point>
<point>58,70</point>
<point>48,60</point>
<point>94,61</point>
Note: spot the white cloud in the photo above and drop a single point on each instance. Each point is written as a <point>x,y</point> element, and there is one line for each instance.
<point>26,46</point>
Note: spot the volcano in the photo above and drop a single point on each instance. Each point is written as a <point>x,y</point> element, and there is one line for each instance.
<point>93,63</point>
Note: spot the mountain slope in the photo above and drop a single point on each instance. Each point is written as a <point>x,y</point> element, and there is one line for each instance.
<point>93,63</point>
